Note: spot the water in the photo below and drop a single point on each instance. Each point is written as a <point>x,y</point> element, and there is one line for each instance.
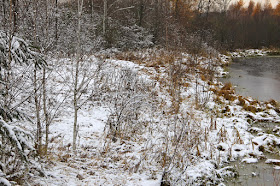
<point>255,174</point>
<point>258,77</point>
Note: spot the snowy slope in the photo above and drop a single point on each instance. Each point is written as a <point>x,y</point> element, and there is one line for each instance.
<point>190,147</point>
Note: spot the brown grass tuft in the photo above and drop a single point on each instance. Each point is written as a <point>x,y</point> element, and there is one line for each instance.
<point>274,103</point>
<point>241,100</point>
<point>227,86</point>
<point>250,108</point>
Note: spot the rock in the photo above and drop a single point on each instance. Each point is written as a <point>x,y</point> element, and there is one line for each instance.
<point>273,162</point>
<point>254,129</point>
<point>253,155</point>
<point>227,172</point>
<point>221,148</point>
<point>254,174</point>
<point>165,183</point>
<point>80,177</point>
<point>91,173</point>
<point>261,148</point>
<point>277,130</point>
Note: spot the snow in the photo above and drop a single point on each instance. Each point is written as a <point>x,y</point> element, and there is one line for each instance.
<point>273,161</point>
<point>4,182</point>
<point>208,135</point>
<point>250,160</point>
<point>91,121</point>
<point>248,53</point>
<point>11,134</point>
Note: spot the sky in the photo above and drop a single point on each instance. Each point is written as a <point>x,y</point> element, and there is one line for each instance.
<point>273,2</point>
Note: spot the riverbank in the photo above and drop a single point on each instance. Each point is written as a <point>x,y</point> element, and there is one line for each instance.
<point>188,125</point>
<point>239,53</point>
<point>248,74</point>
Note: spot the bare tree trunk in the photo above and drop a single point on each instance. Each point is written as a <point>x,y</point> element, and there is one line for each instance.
<point>8,72</point>
<point>15,9</point>
<point>4,13</point>
<point>105,12</point>
<point>75,128</point>
<point>47,20</point>
<point>76,108</point>
<point>92,10</point>
<point>38,121</point>
<point>156,21</point>
<point>45,110</point>
<point>141,12</point>
<point>176,9</point>
<point>56,23</point>
<point>208,9</point>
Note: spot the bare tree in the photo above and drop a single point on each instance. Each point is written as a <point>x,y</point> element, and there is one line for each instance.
<point>129,95</point>
<point>38,143</point>
<point>78,60</point>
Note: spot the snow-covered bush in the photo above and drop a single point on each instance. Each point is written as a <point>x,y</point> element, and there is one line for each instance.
<point>134,37</point>
<point>128,95</point>
<point>125,37</point>
<point>15,143</point>
<point>16,50</point>
<point>14,152</point>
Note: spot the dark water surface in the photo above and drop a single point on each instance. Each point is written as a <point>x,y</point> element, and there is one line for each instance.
<point>256,174</point>
<point>258,77</point>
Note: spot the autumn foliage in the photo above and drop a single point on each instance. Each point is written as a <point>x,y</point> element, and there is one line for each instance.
<point>253,25</point>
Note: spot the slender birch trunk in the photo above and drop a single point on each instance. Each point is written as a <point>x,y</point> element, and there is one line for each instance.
<point>76,108</point>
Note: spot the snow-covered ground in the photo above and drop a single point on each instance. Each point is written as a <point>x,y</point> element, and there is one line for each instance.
<point>249,53</point>
<point>190,146</point>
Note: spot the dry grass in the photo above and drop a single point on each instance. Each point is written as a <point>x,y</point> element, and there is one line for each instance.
<point>226,91</point>
<point>186,85</point>
<point>230,97</point>
<point>242,101</point>
<point>129,56</point>
<point>238,139</point>
<point>227,86</point>
<point>255,102</point>
<point>250,108</point>
<point>150,58</point>
<point>222,134</point>
<point>274,103</point>
<point>219,100</point>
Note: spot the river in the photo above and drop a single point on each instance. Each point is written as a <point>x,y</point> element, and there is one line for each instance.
<point>258,77</point>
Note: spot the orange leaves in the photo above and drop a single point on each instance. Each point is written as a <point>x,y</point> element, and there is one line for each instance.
<point>277,10</point>
<point>251,7</point>
<point>237,9</point>
<point>182,7</point>
<point>238,6</point>
<point>257,10</point>
<point>183,10</point>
